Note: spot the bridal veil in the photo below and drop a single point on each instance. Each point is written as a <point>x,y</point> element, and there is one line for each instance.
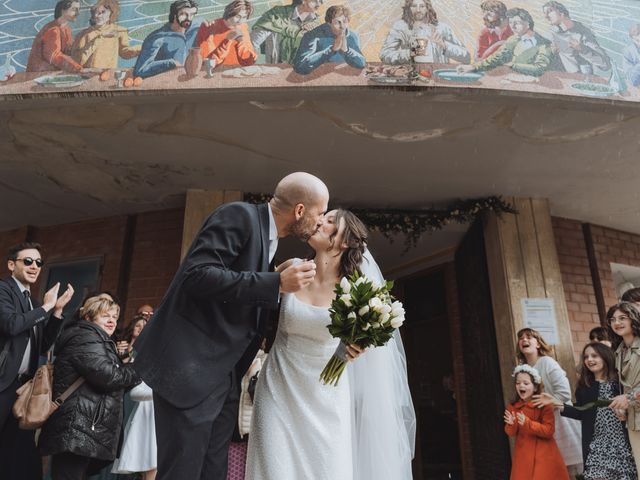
<point>383,417</point>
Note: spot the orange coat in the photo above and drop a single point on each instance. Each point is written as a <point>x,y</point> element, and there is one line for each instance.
<point>213,43</point>
<point>536,455</point>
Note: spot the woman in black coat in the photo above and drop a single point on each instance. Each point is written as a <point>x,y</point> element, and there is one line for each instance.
<point>82,435</point>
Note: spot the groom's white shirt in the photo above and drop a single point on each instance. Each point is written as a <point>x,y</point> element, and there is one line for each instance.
<point>273,235</point>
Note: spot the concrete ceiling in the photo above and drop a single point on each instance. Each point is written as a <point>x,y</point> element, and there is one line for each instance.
<point>69,159</point>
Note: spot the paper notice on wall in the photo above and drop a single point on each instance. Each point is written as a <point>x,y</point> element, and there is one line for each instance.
<point>540,314</point>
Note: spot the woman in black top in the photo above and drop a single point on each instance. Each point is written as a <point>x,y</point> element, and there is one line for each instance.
<point>605,444</point>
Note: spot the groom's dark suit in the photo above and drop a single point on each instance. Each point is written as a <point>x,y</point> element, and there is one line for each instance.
<point>202,338</point>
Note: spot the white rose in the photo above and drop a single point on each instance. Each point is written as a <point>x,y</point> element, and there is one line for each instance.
<point>375,285</point>
<point>361,280</point>
<point>396,309</point>
<point>352,315</point>
<point>345,285</point>
<point>385,309</point>
<point>366,327</point>
<point>396,322</point>
<point>384,318</point>
<point>364,310</point>
<point>375,303</point>
<point>346,299</point>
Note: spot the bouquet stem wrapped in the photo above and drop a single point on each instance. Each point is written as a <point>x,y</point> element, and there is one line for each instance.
<point>363,313</point>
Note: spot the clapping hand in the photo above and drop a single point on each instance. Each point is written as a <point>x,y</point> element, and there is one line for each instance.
<point>509,418</point>
<point>521,418</point>
<point>51,297</point>
<point>62,301</point>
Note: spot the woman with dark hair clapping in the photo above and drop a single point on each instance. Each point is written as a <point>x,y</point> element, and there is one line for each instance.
<point>82,435</point>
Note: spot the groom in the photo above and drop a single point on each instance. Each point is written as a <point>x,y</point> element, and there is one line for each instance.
<point>206,330</point>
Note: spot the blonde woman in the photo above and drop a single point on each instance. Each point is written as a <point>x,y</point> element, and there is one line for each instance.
<point>82,435</point>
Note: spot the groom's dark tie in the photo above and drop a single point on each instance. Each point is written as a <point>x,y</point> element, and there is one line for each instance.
<point>33,335</point>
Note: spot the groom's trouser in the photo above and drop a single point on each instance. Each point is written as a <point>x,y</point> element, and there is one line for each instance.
<point>193,443</point>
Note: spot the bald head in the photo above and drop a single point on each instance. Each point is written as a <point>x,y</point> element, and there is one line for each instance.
<point>299,187</point>
<point>299,204</point>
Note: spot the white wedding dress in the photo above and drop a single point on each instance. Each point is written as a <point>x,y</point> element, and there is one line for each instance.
<point>363,429</point>
<point>301,429</point>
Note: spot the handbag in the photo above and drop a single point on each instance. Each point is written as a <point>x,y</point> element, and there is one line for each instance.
<point>34,404</point>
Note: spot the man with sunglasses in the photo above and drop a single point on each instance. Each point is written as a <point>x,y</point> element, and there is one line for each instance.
<point>27,330</point>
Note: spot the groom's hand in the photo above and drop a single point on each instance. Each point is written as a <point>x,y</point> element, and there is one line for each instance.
<point>284,265</point>
<point>297,276</point>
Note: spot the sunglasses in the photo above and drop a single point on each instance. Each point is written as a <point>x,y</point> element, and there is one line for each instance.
<point>28,261</point>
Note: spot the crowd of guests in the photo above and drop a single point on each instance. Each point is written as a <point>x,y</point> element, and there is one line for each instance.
<point>295,34</point>
<point>83,435</point>
<point>598,436</point>
<point>105,429</point>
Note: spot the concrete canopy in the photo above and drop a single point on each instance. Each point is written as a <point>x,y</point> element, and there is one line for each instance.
<point>68,159</point>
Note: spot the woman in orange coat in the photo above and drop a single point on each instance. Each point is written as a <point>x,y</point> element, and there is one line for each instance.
<point>536,455</point>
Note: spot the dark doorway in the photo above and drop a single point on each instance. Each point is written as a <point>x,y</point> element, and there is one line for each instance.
<point>428,344</point>
<point>484,402</point>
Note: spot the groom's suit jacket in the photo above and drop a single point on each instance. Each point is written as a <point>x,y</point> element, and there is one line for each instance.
<point>208,321</point>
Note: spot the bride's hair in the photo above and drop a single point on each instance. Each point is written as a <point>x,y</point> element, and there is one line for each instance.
<point>355,236</point>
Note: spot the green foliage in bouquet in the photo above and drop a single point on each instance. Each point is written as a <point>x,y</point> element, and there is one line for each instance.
<point>362,313</point>
<point>353,320</point>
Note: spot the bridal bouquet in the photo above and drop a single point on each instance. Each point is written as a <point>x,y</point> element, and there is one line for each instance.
<point>362,313</point>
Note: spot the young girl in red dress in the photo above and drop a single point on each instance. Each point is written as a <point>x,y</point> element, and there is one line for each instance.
<point>536,455</point>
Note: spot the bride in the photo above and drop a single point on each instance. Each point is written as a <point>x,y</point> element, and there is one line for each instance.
<point>301,429</point>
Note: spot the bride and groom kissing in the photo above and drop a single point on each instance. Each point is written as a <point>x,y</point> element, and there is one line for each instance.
<point>209,326</point>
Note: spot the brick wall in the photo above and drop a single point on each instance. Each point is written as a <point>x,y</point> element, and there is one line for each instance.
<point>613,246</point>
<point>610,246</point>
<point>577,280</point>
<point>155,255</point>
<point>9,239</point>
<point>155,259</point>
<point>101,237</point>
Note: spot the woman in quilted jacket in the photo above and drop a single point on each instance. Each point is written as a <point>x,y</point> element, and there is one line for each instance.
<point>82,435</point>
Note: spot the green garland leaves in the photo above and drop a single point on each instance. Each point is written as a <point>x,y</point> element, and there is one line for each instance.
<point>414,223</point>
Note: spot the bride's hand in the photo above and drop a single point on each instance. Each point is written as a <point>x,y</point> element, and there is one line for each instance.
<point>354,351</point>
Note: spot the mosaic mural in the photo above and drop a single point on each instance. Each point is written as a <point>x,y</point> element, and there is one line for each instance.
<point>575,47</point>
